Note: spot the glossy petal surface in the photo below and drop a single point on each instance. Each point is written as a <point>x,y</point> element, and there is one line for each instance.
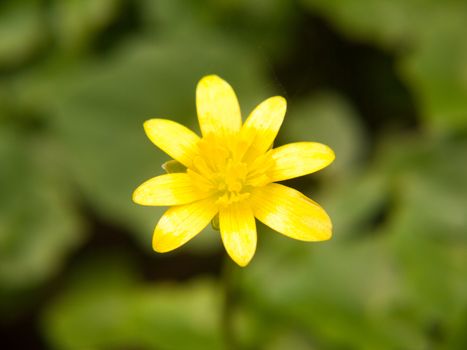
<point>298,159</point>
<point>263,124</point>
<point>176,140</point>
<point>238,231</point>
<point>217,107</point>
<point>291,213</point>
<point>168,189</point>
<point>179,224</point>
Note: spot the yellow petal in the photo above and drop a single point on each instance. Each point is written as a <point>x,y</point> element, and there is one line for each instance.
<point>176,140</point>
<point>168,189</point>
<point>298,159</point>
<point>217,107</point>
<point>263,124</point>
<point>238,231</point>
<point>291,213</point>
<point>181,223</point>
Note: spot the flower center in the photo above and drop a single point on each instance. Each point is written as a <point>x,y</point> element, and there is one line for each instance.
<point>231,182</point>
<point>226,170</point>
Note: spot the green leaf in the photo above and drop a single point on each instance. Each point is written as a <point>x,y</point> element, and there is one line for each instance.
<point>263,24</point>
<point>396,281</point>
<point>328,118</point>
<point>38,222</point>
<point>437,73</point>
<point>173,166</point>
<point>428,38</point>
<point>428,181</point>
<point>105,307</point>
<point>77,22</point>
<point>22,30</point>
<point>428,229</point>
<point>332,294</point>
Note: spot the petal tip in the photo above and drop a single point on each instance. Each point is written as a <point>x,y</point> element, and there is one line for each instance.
<point>148,126</point>
<point>137,196</point>
<point>327,235</point>
<point>152,123</point>
<point>242,257</point>
<point>208,79</point>
<point>242,261</point>
<point>279,100</point>
<point>159,249</point>
<point>279,103</point>
<point>148,123</point>
<point>332,154</point>
<point>160,246</point>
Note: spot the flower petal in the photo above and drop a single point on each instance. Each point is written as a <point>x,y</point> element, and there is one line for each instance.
<point>217,107</point>
<point>168,189</point>
<point>176,140</point>
<point>263,124</point>
<point>291,213</point>
<point>298,159</point>
<point>238,231</point>
<point>181,223</point>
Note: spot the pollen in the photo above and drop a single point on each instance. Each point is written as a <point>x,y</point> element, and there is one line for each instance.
<point>225,170</point>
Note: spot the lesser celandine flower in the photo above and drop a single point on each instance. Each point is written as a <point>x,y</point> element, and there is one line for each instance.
<point>231,171</point>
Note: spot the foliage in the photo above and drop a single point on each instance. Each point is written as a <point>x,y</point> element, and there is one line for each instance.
<point>78,78</point>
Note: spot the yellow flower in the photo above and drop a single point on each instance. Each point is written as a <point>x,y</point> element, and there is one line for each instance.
<point>231,171</point>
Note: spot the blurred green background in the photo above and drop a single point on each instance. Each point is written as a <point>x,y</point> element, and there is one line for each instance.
<point>383,82</point>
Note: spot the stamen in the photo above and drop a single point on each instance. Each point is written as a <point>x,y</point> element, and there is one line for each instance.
<point>226,172</point>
